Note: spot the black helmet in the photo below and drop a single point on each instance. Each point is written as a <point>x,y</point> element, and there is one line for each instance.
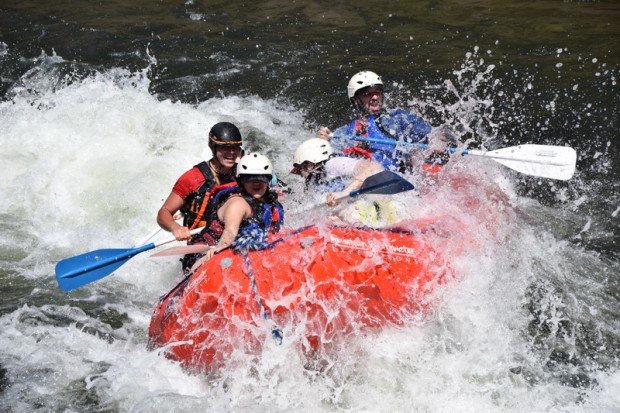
<point>225,133</point>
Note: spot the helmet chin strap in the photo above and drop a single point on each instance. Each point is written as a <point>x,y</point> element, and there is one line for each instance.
<point>358,106</point>
<point>216,163</point>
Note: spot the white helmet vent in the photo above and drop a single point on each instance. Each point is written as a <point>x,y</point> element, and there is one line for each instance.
<point>254,164</point>
<point>361,80</point>
<point>314,150</point>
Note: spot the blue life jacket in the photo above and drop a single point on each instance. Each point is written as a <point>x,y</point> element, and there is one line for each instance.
<point>387,155</point>
<point>266,217</point>
<point>396,125</point>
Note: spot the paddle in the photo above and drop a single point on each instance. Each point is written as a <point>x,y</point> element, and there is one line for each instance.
<point>74,272</point>
<point>148,236</point>
<point>156,231</point>
<point>384,182</point>
<point>381,183</point>
<point>182,250</point>
<point>546,161</point>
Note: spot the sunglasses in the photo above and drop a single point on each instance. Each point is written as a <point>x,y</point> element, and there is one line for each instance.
<point>256,178</point>
<point>370,91</point>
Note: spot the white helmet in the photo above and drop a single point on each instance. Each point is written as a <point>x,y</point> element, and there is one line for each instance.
<point>254,164</point>
<point>314,150</point>
<point>361,80</point>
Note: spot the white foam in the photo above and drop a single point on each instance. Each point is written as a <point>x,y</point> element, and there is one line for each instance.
<point>88,165</point>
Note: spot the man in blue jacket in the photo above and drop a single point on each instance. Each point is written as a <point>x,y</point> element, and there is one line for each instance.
<point>365,91</point>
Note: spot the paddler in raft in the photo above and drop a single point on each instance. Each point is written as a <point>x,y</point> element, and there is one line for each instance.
<point>191,192</point>
<point>242,214</point>
<point>327,172</point>
<point>372,120</point>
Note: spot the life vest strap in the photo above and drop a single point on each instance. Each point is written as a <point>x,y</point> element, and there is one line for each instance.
<point>205,202</point>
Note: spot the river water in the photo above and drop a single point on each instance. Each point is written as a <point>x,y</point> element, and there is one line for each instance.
<point>103,105</point>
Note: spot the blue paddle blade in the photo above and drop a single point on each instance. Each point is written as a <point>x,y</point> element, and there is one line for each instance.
<point>385,183</point>
<point>74,272</point>
<point>71,283</point>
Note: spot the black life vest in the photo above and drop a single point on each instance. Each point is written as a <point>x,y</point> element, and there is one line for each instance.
<point>195,204</point>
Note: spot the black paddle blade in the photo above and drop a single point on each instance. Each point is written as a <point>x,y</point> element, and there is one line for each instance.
<point>384,183</point>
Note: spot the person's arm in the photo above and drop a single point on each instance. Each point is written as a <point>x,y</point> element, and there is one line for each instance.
<point>362,170</point>
<point>234,210</point>
<point>165,217</point>
<point>339,138</point>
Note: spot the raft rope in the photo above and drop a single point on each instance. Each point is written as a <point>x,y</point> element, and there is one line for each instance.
<point>251,237</point>
<point>276,333</point>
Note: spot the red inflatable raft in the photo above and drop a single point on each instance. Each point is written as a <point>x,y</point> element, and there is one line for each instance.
<point>327,282</point>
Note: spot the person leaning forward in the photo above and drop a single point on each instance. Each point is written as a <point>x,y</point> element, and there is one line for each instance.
<point>242,216</point>
<point>327,171</point>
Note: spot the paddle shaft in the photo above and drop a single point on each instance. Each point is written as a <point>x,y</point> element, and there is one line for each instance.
<point>149,236</point>
<point>387,183</point>
<point>424,146</point>
<point>124,256</point>
<point>510,158</point>
<point>156,231</point>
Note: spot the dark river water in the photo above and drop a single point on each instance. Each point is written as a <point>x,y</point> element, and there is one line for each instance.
<point>104,104</point>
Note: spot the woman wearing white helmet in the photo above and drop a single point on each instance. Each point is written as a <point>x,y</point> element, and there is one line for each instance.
<point>323,170</point>
<point>373,121</point>
<point>241,215</point>
<point>326,171</point>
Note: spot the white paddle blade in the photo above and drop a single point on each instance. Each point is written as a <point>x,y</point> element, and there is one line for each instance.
<point>182,250</point>
<point>546,161</point>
